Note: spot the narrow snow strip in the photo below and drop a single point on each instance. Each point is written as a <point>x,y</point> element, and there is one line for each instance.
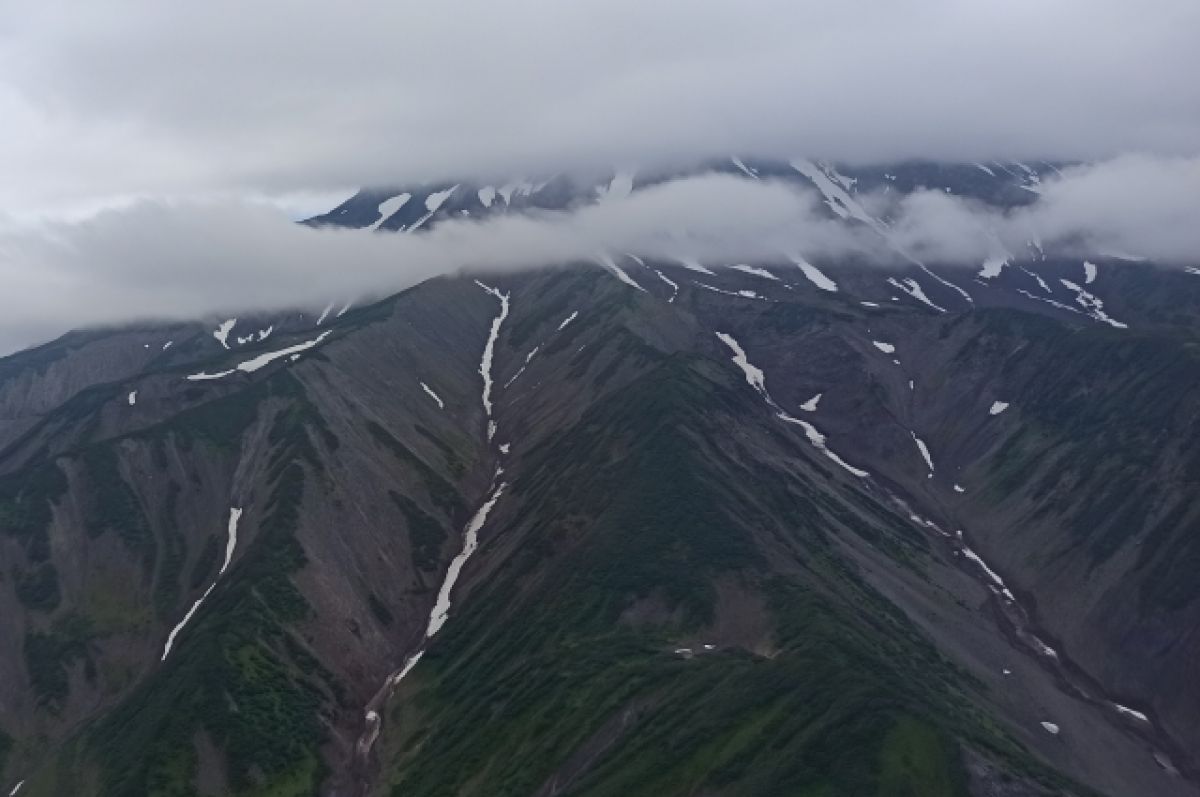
<point>1050,728</point>
<point>947,283</point>
<point>924,449</point>
<point>204,375</point>
<point>1041,282</point>
<point>388,208</point>
<point>324,314</point>
<point>758,272</point>
<point>1128,712</point>
<point>567,320</point>
<point>441,609</point>
<point>736,294</point>
<point>235,514</point>
<point>487,195</point>
<point>433,203</point>
<point>836,197</point>
<point>754,376</point>
<point>345,307</point>
<point>489,348</point>
<point>811,404</point>
<point>746,169</point>
<point>816,277</point>
<point>992,574</point>
<point>886,348</point>
<point>263,334</point>
<point>16,788</point>
<point>1044,300</point>
<point>984,169</point>
<point>998,407</point>
<point>669,281</point>
<point>757,380</point>
<point>1092,305</point>
<point>818,440</point>
<point>694,265</point>
<point>914,289</point>
<point>1089,273</point>
<point>505,447</point>
<point>959,489</point>
<point>868,304</point>
<point>168,345</point>
<point>434,396</point>
<point>1192,270</point>
<point>618,272</point>
<point>221,333</point>
<point>132,397</point>
<point>253,364</point>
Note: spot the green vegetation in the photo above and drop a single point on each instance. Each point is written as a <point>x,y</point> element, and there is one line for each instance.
<point>113,505</point>
<point>49,655</point>
<point>26,498</point>
<point>426,535</point>
<point>442,493</point>
<point>38,588</point>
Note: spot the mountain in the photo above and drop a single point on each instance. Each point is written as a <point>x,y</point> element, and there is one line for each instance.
<point>618,528</point>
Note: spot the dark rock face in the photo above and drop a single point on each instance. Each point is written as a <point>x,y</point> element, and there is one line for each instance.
<point>743,534</point>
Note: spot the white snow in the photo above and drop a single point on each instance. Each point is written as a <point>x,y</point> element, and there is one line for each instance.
<point>754,376</point>
<point>132,397</point>
<point>958,489</point>
<point>387,209</point>
<point>743,294</point>
<point>1044,300</point>
<point>235,514</point>
<point>669,281</point>
<point>263,334</point>
<point>1089,273</point>
<point>811,404</point>
<point>757,380</point>
<point>758,272</point>
<point>253,364</point>
<point>886,348</point>
<point>1092,305</point>
<point>992,574</point>
<point>324,313</point>
<point>998,407</point>
<point>914,289</point>
<point>204,375</point>
<point>746,169</point>
<point>167,345</point>
<point>434,396</point>
<point>816,277</point>
<point>505,447</point>
<point>924,451</point>
<point>1192,270</point>
<point>487,195</point>
<point>567,320</point>
<point>619,273</point>
<point>868,304</point>
<point>433,203</point>
<point>694,265</point>
<point>345,307</point>
<point>441,609</point>
<point>818,440</point>
<point>993,266</point>
<point>984,169</point>
<point>1050,727</point>
<point>489,348</point>
<point>16,788</point>
<point>1040,281</point>
<point>836,197</point>
<point>221,333</point>
<point>1128,712</point>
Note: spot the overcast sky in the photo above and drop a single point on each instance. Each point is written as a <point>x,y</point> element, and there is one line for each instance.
<point>144,108</point>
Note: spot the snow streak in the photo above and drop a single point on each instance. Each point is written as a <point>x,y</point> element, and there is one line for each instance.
<point>235,514</point>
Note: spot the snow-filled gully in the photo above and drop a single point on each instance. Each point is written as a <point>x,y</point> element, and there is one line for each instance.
<point>1015,620</point>
<point>235,515</point>
<point>440,613</point>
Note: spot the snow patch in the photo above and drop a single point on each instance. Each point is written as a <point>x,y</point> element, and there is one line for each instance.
<point>757,272</point>
<point>387,209</point>
<point>619,273</point>
<point>325,313</point>
<point>487,195</point>
<point>998,407</point>
<point>1050,727</point>
<point>132,397</point>
<point>914,289</point>
<point>434,396</point>
<point>433,203</point>
<point>1128,712</point>
<point>694,265</point>
<point>992,574</point>
<point>620,187</point>
<point>993,266</point>
<point>441,609</point>
<point>745,169</point>
<point>811,404</point>
<point>235,514</point>
<point>816,277</point>
<point>567,320</point>
<point>253,364</point>
<point>886,348</point>
<point>1092,305</point>
<point>221,333</point>
<point>924,449</point>
<point>489,348</point>
<point>958,489</point>
<point>1089,273</point>
<point>754,376</point>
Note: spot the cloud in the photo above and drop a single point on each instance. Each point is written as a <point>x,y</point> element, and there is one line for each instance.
<point>134,98</point>
<point>160,260</point>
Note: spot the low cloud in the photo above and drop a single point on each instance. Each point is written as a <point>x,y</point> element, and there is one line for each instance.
<point>163,260</point>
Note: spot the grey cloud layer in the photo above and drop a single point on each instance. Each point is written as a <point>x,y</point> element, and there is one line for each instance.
<point>186,260</point>
<point>135,98</point>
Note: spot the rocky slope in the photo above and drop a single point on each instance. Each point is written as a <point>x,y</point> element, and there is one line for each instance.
<point>799,528</point>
